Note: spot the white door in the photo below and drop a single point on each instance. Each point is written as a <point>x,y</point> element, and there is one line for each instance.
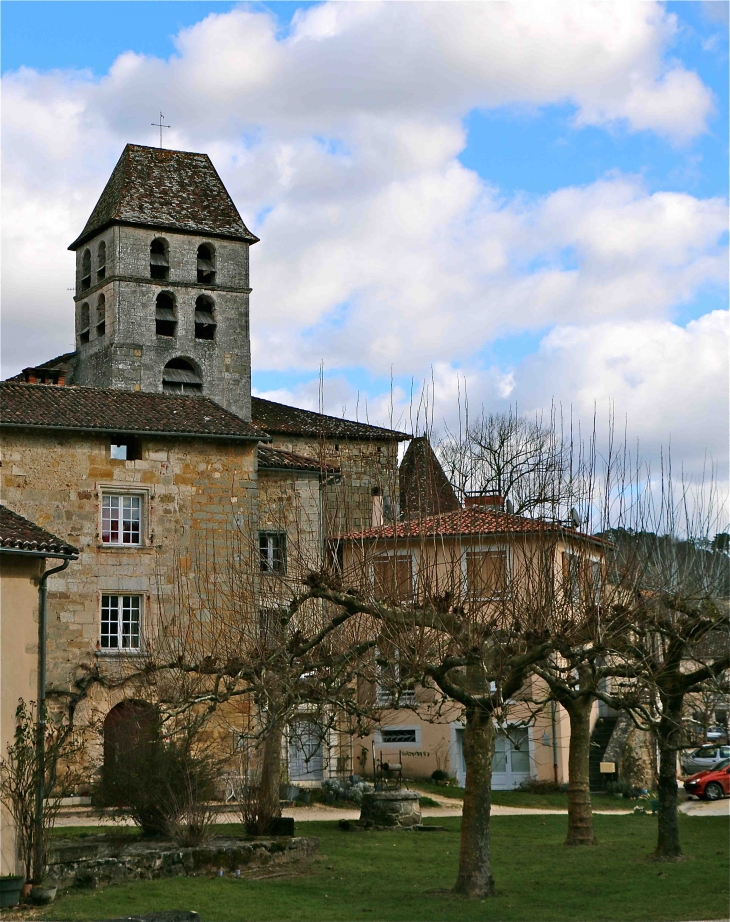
<point>305,751</point>
<point>511,762</point>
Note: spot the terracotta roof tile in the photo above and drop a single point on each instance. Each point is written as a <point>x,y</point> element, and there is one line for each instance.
<point>173,189</point>
<point>465,522</point>
<point>279,418</point>
<point>91,409</point>
<point>275,459</point>
<point>19,534</point>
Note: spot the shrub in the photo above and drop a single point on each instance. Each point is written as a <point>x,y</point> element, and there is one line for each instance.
<point>336,790</point>
<point>439,776</point>
<point>164,787</point>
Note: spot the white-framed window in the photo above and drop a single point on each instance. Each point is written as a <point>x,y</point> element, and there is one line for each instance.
<point>272,551</point>
<point>121,519</point>
<point>398,736</point>
<point>121,622</point>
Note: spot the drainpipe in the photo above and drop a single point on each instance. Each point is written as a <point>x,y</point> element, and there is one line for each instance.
<point>555,743</point>
<point>41,723</point>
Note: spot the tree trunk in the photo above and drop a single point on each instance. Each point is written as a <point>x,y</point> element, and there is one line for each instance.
<point>580,813</point>
<point>475,867</point>
<point>668,738</point>
<point>271,772</point>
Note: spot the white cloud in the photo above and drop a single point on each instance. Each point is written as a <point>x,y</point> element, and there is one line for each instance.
<point>379,249</point>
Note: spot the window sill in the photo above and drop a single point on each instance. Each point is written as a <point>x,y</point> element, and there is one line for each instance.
<point>116,654</point>
<point>123,547</point>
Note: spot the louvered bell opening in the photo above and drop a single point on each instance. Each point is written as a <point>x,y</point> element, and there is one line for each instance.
<point>159,259</point>
<point>180,376</point>
<point>204,317</point>
<point>204,265</point>
<point>164,313</point>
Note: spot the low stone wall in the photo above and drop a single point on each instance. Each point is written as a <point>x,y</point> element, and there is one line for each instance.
<point>102,860</point>
<point>391,808</point>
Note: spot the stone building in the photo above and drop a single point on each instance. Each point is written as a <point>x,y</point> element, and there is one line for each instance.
<point>144,446</point>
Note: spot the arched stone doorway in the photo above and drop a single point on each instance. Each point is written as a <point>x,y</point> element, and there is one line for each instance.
<point>129,727</point>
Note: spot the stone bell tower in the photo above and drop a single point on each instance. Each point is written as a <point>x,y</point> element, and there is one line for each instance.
<point>162,282</point>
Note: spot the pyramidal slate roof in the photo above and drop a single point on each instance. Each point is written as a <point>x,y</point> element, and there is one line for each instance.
<point>424,487</point>
<point>170,189</point>
<point>19,534</point>
<point>101,409</point>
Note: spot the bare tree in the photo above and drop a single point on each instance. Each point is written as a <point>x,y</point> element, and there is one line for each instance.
<point>527,461</point>
<point>678,643</point>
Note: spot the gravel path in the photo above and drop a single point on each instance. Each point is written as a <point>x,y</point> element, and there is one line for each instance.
<point>84,816</point>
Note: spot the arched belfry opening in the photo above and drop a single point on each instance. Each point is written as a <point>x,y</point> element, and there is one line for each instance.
<point>159,260</point>
<point>205,322</point>
<point>181,376</point>
<point>206,264</point>
<point>165,314</point>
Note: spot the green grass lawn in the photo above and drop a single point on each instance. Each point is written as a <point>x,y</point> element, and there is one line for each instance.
<point>402,876</point>
<point>557,801</point>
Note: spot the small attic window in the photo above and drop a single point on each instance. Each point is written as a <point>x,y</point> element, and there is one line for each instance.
<point>204,318</point>
<point>101,262</point>
<point>101,316</point>
<point>165,316</point>
<point>84,323</point>
<point>159,263</point>
<point>86,270</point>
<point>179,376</point>
<point>124,448</point>
<point>206,264</point>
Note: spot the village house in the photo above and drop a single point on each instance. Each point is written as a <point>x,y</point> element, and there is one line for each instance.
<point>25,550</point>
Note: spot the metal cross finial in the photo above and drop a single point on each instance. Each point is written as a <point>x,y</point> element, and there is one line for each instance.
<point>161,126</point>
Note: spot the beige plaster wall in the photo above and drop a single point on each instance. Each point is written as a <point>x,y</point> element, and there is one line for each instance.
<point>18,665</point>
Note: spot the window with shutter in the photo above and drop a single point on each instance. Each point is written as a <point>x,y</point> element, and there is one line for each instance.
<point>486,574</point>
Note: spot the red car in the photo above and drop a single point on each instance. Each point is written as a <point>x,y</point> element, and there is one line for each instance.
<point>711,784</point>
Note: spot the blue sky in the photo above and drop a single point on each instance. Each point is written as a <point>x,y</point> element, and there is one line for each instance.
<point>534,169</point>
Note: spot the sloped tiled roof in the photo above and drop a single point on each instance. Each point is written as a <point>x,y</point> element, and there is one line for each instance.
<point>171,189</point>
<point>19,534</point>
<point>424,487</point>
<point>100,409</point>
<point>274,459</point>
<point>466,522</point>
<point>279,418</point>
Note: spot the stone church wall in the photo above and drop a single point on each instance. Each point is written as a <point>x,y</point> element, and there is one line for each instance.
<point>365,466</point>
<point>191,490</point>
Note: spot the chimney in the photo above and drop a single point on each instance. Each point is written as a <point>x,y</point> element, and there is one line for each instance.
<point>485,502</point>
<point>45,376</point>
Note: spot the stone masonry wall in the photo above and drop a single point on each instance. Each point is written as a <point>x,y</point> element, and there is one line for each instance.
<point>365,465</point>
<point>129,354</point>
<point>191,491</point>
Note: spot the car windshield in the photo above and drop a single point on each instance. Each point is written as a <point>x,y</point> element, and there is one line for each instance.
<point>724,764</point>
